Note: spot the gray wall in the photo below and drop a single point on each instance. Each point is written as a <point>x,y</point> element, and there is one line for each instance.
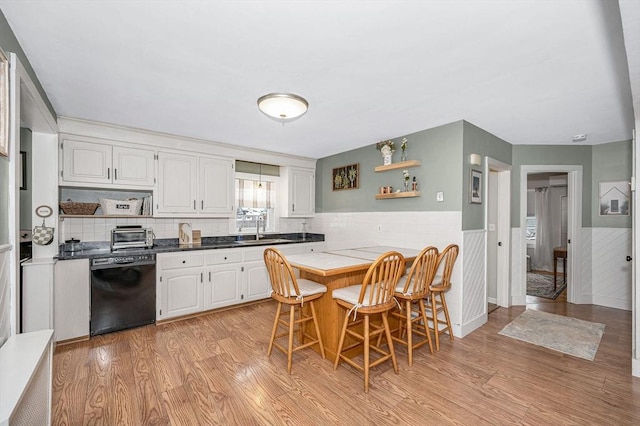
<point>439,150</point>
<point>25,194</point>
<point>478,141</point>
<point>551,155</point>
<point>612,162</point>
<point>9,43</point>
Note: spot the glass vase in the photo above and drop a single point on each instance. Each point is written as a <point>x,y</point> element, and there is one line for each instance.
<point>406,186</point>
<point>403,157</point>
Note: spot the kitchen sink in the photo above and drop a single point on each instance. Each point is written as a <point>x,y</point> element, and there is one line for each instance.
<point>263,241</point>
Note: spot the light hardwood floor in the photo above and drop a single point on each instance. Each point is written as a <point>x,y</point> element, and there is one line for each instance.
<point>214,370</point>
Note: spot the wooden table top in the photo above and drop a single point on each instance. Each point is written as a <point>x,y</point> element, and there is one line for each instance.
<point>344,261</point>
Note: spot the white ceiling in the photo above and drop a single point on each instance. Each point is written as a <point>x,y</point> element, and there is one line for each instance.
<point>530,72</point>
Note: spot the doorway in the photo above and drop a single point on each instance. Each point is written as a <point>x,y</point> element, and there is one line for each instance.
<point>498,228</point>
<point>546,237</point>
<point>568,263</point>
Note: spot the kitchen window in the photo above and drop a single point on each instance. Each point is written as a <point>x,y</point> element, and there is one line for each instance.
<point>256,201</point>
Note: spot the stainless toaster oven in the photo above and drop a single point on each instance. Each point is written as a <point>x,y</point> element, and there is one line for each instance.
<point>131,237</point>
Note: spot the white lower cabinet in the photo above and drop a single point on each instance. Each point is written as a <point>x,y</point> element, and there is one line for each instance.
<point>71,299</point>
<point>179,284</point>
<point>223,287</point>
<point>191,282</point>
<point>181,292</point>
<point>256,281</point>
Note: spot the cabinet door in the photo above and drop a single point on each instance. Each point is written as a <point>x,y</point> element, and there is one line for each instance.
<point>132,166</point>
<point>177,186</point>
<point>300,194</point>
<point>216,186</point>
<point>256,281</point>
<point>71,299</point>
<point>180,292</point>
<point>223,287</point>
<point>86,162</point>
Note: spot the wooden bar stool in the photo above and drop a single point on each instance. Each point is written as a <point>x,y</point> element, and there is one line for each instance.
<point>442,283</point>
<point>374,296</point>
<point>411,291</point>
<point>292,292</point>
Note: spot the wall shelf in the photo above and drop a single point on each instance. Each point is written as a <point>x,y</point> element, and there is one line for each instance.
<point>408,194</point>
<point>400,165</point>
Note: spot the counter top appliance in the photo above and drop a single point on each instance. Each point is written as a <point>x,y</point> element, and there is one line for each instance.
<point>123,237</point>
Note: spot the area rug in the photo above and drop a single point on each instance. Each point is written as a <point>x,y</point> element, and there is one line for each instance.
<point>563,334</point>
<point>541,285</point>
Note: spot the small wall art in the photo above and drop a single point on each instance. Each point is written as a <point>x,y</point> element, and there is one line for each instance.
<point>346,177</point>
<point>475,186</point>
<point>614,198</point>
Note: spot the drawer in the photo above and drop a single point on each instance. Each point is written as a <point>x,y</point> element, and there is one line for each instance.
<point>252,254</point>
<point>180,260</point>
<point>219,257</point>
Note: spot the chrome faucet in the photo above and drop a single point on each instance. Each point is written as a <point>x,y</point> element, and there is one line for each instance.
<point>258,220</point>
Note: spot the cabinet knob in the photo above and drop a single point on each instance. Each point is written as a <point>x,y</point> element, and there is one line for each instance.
<point>225,258</point>
<point>184,261</point>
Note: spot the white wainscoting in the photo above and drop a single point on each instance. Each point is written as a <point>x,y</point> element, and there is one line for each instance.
<point>5,294</point>
<point>584,287</point>
<point>399,229</point>
<point>474,294</point>
<point>518,289</point>
<point>406,229</point>
<point>611,271</point>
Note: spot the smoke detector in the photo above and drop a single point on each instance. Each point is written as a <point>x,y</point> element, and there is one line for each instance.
<point>579,138</point>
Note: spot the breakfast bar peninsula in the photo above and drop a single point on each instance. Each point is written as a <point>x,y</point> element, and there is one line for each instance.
<point>338,269</point>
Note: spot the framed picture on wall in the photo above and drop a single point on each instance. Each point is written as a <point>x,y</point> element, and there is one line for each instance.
<point>475,186</point>
<point>614,198</point>
<point>4,104</point>
<point>346,177</point>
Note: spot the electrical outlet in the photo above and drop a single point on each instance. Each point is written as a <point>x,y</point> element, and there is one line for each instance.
<point>440,196</point>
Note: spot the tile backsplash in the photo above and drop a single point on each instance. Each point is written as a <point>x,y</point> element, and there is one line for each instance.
<point>99,228</point>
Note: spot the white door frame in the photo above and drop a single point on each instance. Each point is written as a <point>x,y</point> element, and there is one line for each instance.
<point>27,109</point>
<point>503,229</point>
<point>574,229</point>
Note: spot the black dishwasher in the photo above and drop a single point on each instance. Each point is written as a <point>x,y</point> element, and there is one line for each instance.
<point>123,292</point>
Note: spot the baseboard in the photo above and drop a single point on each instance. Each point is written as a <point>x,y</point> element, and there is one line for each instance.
<point>518,300</point>
<point>471,325</point>
<point>493,300</point>
<point>635,367</point>
<point>611,302</point>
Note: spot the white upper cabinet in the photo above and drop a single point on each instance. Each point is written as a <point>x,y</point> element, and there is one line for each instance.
<point>133,166</point>
<point>216,186</point>
<point>177,180</point>
<point>298,192</point>
<point>195,186</point>
<point>88,163</point>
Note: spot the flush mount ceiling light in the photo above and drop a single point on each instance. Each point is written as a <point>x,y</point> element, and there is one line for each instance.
<point>283,106</point>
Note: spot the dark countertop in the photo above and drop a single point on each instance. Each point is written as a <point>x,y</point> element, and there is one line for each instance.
<point>98,249</point>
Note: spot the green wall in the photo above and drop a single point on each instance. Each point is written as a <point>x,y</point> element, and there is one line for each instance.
<point>439,150</point>
<point>612,162</point>
<point>551,155</point>
<point>478,141</point>
<point>9,43</point>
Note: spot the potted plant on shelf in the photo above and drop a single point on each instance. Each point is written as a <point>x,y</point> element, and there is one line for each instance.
<point>403,146</point>
<point>387,148</point>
